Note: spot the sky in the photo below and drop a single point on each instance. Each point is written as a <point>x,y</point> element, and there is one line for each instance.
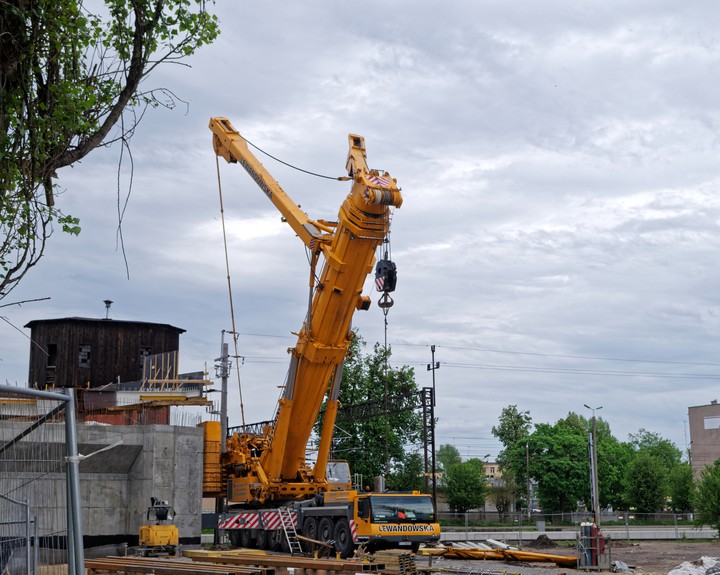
<point>558,238</point>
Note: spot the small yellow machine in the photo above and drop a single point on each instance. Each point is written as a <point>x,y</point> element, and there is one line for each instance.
<point>159,537</point>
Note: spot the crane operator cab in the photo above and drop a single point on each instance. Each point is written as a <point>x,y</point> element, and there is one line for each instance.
<point>397,520</point>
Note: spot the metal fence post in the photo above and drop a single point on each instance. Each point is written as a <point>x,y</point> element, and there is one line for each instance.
<point>627,525</point>
<point>73,466</point>
<point>27,536</point>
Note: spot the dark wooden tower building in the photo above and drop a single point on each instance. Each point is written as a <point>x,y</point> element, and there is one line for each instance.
<point>86,353</point>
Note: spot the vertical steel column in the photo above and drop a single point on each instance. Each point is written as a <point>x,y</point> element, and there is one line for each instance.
<point>433,367</point>
<point>427,400</point>
<point>27,537</point>
<point>73,468</point>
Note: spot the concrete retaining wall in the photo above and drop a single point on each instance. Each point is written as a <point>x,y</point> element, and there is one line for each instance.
<point>116,485</point>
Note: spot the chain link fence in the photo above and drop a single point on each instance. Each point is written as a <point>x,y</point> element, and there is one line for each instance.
<point>521,527</point>
<point>40,519</point>
<point>512,519</point>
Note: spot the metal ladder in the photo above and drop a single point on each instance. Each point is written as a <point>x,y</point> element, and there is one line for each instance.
<point>288,524</point>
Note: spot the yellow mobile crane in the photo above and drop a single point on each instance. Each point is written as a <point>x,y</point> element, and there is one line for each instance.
<point>273,492</point>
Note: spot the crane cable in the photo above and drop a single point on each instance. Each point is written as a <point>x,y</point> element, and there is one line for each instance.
<point>232,308</point>
<point>386,391</point>
<point>338,178</point>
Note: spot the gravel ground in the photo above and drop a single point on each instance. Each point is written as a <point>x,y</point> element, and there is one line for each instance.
<point>647,558</point>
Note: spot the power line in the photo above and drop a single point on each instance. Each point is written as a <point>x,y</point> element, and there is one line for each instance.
<point>530,353</point>
<point>575,371</point>
<point>561,356</point>
<point>539,369</point>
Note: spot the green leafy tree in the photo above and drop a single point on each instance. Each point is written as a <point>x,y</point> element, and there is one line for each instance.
<point>559,461</point>
<point>646,483</point>
<point>407,474</point>
<point>513,426</point>
<point>706,497</point>
<point>681,484</point>
<point>447,455</point>
<point>70,81</point>
<point>502,495</point>
<point>558,458</point>
<point>655,445</point>
<point>653,462</point>
<point>614,457</point>
<point>465,486</point>
<point>512,430</point>
<point>379,416</point>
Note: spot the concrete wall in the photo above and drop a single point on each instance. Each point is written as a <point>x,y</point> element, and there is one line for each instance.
<point>116,485</point>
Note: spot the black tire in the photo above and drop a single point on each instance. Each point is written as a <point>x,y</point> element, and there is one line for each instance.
<point>275,537</point>
<point>263,539</point>
<point>234,536</point>
<point>415,546</point>
<point>326,530</point>
<point>246,539</point>
<point>309,529</point>
<point>344,543</point>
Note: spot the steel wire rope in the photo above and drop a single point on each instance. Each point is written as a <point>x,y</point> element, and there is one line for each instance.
<point>338,178</point>
<point>232,308</point>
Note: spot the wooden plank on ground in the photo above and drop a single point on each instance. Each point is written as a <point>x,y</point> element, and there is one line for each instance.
<point>166,566</point>
<point>282,561</point>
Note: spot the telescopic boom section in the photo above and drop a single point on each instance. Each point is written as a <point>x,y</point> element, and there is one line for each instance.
<point>348,248</point>
<point>229,144</point>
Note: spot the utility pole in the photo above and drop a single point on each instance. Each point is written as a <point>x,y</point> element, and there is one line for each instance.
<point>594,487</point>
<point>527,466</point>
<point>223,371</point>
<point>432,367</point>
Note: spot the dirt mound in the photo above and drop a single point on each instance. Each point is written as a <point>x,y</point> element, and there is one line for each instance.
<point>542,542</point>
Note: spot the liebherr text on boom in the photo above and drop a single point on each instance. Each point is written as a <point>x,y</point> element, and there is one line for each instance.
<point>264,464</point>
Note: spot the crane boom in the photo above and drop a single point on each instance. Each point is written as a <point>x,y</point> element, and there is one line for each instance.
<point>271,467</point>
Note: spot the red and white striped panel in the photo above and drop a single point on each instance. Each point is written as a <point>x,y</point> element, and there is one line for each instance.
<point>241,521</point>
<point>353,530</point>
<point>380,181</point>
<point>272,519</point>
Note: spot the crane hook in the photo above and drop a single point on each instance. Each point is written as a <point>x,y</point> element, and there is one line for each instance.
<point>386,302</point>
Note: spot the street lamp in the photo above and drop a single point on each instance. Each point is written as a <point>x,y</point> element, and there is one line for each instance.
<point>594,487</point>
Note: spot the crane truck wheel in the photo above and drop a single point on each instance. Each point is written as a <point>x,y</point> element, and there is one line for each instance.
<point>274,537</point>
<point>234,536</point>
<point>246,539</point>
<point>263,539</point>
<point>344,543</point>
<point>326,529</point>
<point>310,530</point>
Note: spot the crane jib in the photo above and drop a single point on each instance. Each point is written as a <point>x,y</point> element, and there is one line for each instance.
<point>256,177</point>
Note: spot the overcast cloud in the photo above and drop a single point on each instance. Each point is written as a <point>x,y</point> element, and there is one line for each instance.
<point>559,236</point>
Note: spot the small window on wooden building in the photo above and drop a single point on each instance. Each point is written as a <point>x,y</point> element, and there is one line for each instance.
<point>84,355</point>
<point>145,351</point>
<point>52,354</point>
